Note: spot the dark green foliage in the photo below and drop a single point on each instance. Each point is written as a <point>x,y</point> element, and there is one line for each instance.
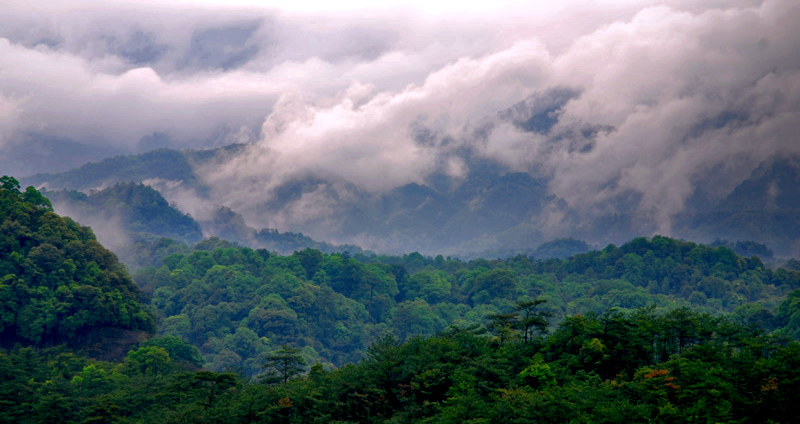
<point>283,364</point>
<point>248,310</point>
<point>788,316</point>
<point>180,352</point>
<point>593,369</point>
<point>57,283</point>
<point>236,304</point>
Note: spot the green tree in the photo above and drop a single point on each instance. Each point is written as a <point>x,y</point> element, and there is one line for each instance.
<point>531,319</point>
<point>149,360</point>
<point>283,364</point>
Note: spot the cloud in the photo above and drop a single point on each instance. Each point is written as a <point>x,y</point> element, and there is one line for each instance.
<point>9,115</point>
<point>676,94</point>
<point>115,73</point>
<point>685,92</point>
<point>664,100</point>
<point>367,137</point>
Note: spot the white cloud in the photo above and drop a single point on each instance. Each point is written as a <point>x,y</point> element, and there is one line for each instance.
<point>680,88</point>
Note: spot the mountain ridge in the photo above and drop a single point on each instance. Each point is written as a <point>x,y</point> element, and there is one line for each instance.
<point>490,208</point>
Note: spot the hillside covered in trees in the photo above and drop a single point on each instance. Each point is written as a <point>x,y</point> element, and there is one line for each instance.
<point>133,219</point>
<point>57,283</point>
<point>236,304</point>
<point>655,330</point>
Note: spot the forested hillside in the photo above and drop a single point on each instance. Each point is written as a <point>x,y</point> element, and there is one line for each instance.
<point>133,208</point>
<point>57,283</point>
<point>237,304</point>
<point>136,222</point>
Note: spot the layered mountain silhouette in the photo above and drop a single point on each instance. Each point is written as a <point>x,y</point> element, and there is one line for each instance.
<point>492,211</point>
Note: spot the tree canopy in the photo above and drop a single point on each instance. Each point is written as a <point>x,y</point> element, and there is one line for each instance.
<point>57,283</point>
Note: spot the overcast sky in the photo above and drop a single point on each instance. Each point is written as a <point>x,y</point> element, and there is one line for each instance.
<point>675,93</point>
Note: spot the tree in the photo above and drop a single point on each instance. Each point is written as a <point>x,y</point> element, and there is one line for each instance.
<point>502,325</point>
<point>9,183</point>
<point>179,351</point>
<point>283,364</point>
<point>149,360</point>
<point>530,318</point>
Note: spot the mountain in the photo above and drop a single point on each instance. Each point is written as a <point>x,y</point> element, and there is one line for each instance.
<point>491,209</point>
<point>141,227</point>
<point>132,207</point>
<point>765,207</point>
<point>163,163</point>
<point>228,225</point>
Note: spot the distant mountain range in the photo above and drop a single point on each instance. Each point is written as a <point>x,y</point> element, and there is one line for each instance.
<point>491,212</point>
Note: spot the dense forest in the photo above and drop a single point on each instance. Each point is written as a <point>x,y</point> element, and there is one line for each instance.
<point>639,367</point>
<point>655,330</point>
<point>237,304</point>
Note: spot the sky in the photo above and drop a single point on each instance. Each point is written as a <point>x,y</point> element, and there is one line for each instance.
<point>656,101</point>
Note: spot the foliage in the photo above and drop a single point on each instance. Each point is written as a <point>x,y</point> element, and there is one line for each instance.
<point>235,304</point>
<point>57,283</point>
<point>283,364</point>
<point>594,368</point>
<point>568,340</point>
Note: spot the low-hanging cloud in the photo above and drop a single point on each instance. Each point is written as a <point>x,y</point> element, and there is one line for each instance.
<point>677,93</point>
<point>642,106</point>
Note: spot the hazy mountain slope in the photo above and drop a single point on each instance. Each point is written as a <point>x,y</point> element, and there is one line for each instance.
<point>229,225</point>
<point>489,209</point>
<point>764,207</point>
<point>774,185</point>
<point>35,152</point>
<point>165,164</point>
<point>130,218</point>
<point>129,208</point>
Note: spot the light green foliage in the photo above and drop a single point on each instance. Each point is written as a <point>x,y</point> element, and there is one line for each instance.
<point>538,375</point>
<point>148,360</point>
<point>432,286</point>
